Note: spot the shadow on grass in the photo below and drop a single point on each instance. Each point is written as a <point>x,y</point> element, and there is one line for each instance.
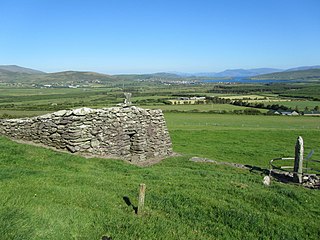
<point>257,169</point>
<point>280,176</point>
<point>126,199</point>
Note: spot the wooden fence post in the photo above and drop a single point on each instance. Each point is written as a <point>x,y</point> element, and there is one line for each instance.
<point>142,193</point>
<point>298,161</point>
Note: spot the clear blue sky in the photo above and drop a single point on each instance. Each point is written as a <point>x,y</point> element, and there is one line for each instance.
<point>132,36</point>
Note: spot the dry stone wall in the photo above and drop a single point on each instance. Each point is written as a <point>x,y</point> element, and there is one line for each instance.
<point>129,133</point>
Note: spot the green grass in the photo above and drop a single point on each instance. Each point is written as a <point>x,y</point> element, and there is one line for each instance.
<point>20,114</point>
<point>203,121</point>
<point>52,195</point>
<point>198,107</point>
<point>49,195</point>
<point>149,95</point>
<point>253,140</point>
<point>36,99</point>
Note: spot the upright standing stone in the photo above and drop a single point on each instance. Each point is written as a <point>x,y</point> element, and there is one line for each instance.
<point>298,161</point>
<point>142,192</point>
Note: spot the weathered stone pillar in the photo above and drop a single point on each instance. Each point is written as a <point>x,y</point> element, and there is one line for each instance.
<point>298,161</point>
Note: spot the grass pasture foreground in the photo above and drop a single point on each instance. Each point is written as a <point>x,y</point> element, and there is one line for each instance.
<point>52,195</point>
<point>249,140</point>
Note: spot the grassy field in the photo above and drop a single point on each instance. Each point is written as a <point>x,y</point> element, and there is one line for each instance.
<point>20,114</point>
<point>56,99</point>
<point>13,99</point>
<point>51,195</point>
<point>198,107</point>
<point>243,139</point>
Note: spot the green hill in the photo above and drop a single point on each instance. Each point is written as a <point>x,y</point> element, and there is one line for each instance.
<point>149,77</point>
<point>302,75</point>
<point>18,69</point>
<point>16,74</point>
<point>62,78</point>
<point>76,77</point>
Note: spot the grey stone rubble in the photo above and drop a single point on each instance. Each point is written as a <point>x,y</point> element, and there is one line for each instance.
<point>309,180</point>
<point>128,133</point>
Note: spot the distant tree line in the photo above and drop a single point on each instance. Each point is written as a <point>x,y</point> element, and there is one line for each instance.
<point>276,88</point>
<point>271,106</point>
<point>218,100</point>
<point>261,105</point>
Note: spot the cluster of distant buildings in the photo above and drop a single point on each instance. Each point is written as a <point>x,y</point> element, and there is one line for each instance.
<point>188,100</point>
<point>192,98</point>
<point>55,86</point>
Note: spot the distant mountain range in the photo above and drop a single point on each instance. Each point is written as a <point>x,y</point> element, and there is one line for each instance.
<point>17,74</point>
<point>231,73</point>
<point>246,72</point>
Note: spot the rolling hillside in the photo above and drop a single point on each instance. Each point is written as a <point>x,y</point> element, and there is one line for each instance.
<point>13,74</point>
<point>18,69</point>
<point>77,77</point>
<point>19,75</point>
<point>301,75</point>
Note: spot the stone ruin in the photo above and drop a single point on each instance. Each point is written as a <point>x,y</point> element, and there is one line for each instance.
<point>130,133</point>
